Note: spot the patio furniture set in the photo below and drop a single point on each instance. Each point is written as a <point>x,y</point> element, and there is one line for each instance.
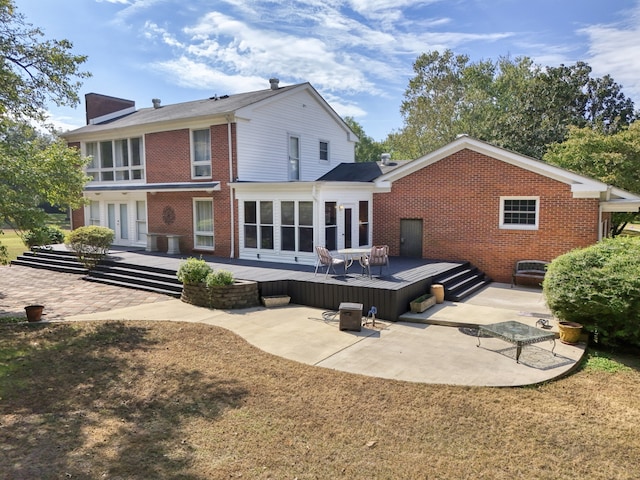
<point>376,256</point>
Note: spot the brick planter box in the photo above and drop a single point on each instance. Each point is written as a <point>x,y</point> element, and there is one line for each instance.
<point>242,294</point>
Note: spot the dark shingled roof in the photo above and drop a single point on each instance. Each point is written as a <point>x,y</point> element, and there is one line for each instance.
<point>353,172</point>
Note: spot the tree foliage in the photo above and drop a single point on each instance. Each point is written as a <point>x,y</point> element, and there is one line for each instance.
<point>34,167</point>
<point>611,158</point>
<point>367,149</point>
<point>33,70</point>
<point>512,103</point>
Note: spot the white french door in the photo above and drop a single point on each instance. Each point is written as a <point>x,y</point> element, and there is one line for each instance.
<point>118,221</point>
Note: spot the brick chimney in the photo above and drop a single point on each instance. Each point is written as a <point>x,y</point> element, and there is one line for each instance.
<point>97,105</point>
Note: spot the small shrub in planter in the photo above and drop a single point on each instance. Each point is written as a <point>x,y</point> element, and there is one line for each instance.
<point>219,278</point>
<point>90,243</point>
<point>193,271</point>
<point>599,287</point>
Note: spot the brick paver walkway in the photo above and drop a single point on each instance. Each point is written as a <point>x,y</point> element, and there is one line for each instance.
<point>63,294</point>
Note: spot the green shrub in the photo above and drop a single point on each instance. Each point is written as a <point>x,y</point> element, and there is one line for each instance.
<point>90,243</point>
<point>193,271</point>
<point>46,235</point>
<point>219,278</point>
<point>599,287</point>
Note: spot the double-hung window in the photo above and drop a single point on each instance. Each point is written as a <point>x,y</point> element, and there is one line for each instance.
<point>294,157</point>
<point>258,225</point>
<point>324,151</point>
<point>519,213</point>
<point>201,153</point>
<point>203,223</point>
<point>296,230</point>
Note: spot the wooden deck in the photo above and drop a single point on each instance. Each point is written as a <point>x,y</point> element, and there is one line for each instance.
<point>404,280</point>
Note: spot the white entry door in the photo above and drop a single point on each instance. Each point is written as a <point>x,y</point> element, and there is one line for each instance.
<point>118,221</point>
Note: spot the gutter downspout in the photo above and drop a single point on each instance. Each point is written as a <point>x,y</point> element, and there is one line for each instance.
<point>231,190</point>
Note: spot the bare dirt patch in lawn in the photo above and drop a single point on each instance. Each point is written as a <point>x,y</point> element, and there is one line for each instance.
<point>145,400</point>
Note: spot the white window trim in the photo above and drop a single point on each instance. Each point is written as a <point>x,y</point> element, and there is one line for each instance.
<point>195,164</point>
<point>98,170</point>
<point>299,160</point>
<point>196,233</point>
<point>511,226</point>
<point>328,160</point>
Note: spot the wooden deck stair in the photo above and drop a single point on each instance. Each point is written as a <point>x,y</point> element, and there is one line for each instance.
<point>462,282</point>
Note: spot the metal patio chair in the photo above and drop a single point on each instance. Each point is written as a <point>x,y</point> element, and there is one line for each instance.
<point>378,257</point>
<point>325,259</point>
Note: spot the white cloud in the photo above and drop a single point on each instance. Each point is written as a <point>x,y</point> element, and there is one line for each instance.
<point>220,39</point>
<point>151,31</point>
<point>613,50</point>
<point>189,74</point>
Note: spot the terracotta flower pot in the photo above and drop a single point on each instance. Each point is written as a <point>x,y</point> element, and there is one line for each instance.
<point>34,312</point>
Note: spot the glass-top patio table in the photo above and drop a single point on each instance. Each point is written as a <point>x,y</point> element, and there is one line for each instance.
<point>351,254</point>
<point>517,333</point>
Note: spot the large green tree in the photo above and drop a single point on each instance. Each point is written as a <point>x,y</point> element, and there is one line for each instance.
<point>34,168</point>
<point>611,158</point>
<point>512,103</point>
<point>367,149</point>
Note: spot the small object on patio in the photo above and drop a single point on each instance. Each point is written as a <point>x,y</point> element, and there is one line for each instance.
<point>378,257</point>
<point>327,260</point>
<point>371,317</point>
<point>350,316</point>
<point>543,323</point>
<point>275,300</point>
<point>34,312</point>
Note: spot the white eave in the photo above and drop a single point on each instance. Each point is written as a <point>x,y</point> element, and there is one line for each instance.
<point>155,187</point>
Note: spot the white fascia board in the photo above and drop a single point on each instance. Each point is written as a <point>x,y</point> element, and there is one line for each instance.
<point>629,206</point>
<point>111,116</point>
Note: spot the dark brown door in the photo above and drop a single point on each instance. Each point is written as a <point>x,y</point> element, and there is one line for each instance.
<point>411,237</point>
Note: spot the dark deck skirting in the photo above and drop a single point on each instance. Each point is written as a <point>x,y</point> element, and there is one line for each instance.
<point>391,293</point>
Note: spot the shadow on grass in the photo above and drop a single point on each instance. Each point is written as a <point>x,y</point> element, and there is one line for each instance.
<point>81,402</point>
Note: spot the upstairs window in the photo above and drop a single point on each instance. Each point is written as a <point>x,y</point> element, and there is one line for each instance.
<point>324,151</point>
<point>115,160</point>
<point>519,213</point>
<point>201,153</point>
<point>294,158</point>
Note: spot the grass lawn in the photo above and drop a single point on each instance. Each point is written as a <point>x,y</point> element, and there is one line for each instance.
<point>14,243</point>
<point>159,400</point>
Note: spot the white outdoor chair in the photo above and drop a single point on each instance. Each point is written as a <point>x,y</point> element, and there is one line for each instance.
<point>327,260</point>
<point>378,257</point>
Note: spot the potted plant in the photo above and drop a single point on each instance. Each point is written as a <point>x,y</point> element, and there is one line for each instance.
<point>423,302</point>
<point>193,274</point>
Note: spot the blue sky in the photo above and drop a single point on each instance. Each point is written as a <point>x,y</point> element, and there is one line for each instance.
<point>357,53</point>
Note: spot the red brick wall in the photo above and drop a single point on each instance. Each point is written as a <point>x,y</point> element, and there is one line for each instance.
<point>97,105</point>
<point>168,156</point>
<point>168,160</point>
<point>458,199</point>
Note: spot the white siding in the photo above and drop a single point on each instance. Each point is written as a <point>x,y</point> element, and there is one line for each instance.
<point>262,139</point>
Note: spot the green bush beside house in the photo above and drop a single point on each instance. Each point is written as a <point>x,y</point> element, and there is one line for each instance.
<point>599,287</point>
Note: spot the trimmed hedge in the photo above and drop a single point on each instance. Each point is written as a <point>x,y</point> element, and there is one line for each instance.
<point>599,287</point>
<point>90,243</point>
